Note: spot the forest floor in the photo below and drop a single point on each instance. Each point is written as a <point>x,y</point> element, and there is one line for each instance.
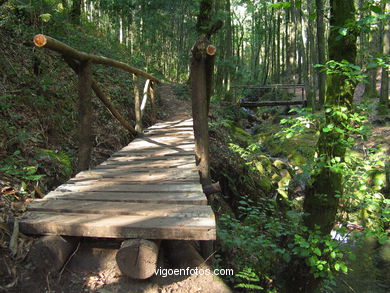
<point>92,267</point>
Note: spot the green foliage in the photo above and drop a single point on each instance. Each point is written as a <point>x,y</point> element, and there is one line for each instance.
<point>59,157</point>
<point>249,277</point>
<point>299,124</point>
<point>15,165</point>
<point>351,72</point>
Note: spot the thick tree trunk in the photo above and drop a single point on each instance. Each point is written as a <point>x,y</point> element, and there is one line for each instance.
<point>85,115</point>
<point>201,73</point>
<point>322,209</point>
<point>322,196</point>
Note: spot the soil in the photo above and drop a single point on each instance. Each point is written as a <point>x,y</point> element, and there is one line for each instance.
<point>92,266</point>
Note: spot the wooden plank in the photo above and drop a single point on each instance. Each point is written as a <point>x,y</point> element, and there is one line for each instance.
<point>125,181</point>
<point>121,208</point>
<point>172,125</point>
<point>149,164</point>
<point>139,174</point>
<point>118,226</point>
<point>196,198</point>
<point>115,187</point>
<point>141,177</point>
<point>158,148</point>
<point>150,160</point>
<point>158,152</point>
<point>173,131</point>
<point>150,142</point>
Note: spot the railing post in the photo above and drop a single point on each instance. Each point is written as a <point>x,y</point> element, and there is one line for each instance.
<point>152,101</point>
<point>137,105</point>
<point>85,115</point>
<point>144,97</point>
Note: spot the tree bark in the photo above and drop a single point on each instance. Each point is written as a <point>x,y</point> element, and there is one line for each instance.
<point>85,115</point>
<point>199,110</point>
<point>321,49</point>
<point>201,72</point>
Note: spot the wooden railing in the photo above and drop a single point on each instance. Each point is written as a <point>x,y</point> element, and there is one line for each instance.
<point>81,62</point>
<point>272,103</point>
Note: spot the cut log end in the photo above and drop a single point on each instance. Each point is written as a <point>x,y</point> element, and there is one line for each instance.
<point>211,50</point>
<point>40,40</point>
<point>211,188</point>
<point>137,258</point>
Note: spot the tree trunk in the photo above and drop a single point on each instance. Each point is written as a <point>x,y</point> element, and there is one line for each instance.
<point>76,11</point>
<point>199,111</point>
<point>321,49</point>
<point>201,72</point>
<point>384,94</point>
<point>322,196</point>
<point>371,91</point>
<point>85,115</point>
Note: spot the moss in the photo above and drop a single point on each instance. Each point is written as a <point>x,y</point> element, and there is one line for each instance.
<point>266,184</point>
<point>240,136</point>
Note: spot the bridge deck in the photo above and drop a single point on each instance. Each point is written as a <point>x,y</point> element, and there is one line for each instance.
<point>149,189</point>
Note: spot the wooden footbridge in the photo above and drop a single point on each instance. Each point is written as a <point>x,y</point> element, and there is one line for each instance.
<point>146,192</point>
<point>149,189</point>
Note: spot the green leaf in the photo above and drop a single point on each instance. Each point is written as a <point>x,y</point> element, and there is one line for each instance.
<point>45,17</point>
<point>343,31</point>
<point>279,5</point>
<point>344,268</point>
<point>376,9</point>
<point>317,251</point>
<point>337,266</point>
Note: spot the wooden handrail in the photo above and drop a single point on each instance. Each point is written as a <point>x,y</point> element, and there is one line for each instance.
<point>41,40</point>
<point>270,86</point>
<point>81,62</point>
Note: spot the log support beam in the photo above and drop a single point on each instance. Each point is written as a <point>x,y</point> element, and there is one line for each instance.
<point>137,258</point>
<point>49,253</point>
